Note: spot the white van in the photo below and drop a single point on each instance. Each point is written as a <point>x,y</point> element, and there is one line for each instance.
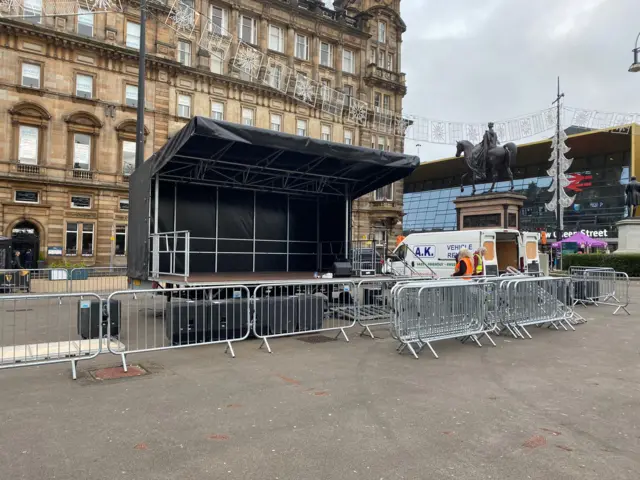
<point>419,252</point>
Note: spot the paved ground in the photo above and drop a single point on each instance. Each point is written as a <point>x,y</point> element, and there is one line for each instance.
<point>564,405</point>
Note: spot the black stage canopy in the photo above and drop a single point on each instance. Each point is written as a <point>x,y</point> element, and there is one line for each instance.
<point>263,164</point>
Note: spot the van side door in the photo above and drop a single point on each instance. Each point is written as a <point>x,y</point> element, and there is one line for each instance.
<point>488,241</point>
<point>531,257</point>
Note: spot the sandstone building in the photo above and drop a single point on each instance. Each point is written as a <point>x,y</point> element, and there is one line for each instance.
<point>68,100</point>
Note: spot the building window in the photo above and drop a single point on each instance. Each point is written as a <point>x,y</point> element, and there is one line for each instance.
<point>325,133</point>
<point>32,10</point>
<point>26,196</point>
<point>87,239</point>
<point>85,22</point>
<point>372,58</point>
<point>381,142</point>
<point>386,102</point>
<point>274,77</point>
<point>84,86</point>
<point>217,63</point>
<point>71,239</point>
<point>186,6</point>
<point>302,47</point>
<point>381,58</point>
<point>133,35</point>
<point>31,75</point>
<point>217,110</point>
<point>276,122</point>
<point>348,63</point>
<point>276,39</point>
<point>81,201</point>
<point>348,93</point>
<point>348,137</point>
<point>184,106</point>
<point>382,32</point>
<point>128,157</point>
<point>248,116</point>
<point>121,240</point>
<point>184,53</point>
<point>124,204</point>
<point>377,99</point>
<point>326,54</point>
<point>247,30</point>
<point>325,90</point>
<point>301,128</point>
<point>28,145</point>
<point>384,194</point>
<point>131,96</point>
<point>390,62</point>
<point>81,151</point>
<point>218,20</point>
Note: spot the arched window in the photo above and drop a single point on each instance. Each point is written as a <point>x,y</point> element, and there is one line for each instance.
<point>83,130</point>
<point>127,147</point>
<point>30,122</point>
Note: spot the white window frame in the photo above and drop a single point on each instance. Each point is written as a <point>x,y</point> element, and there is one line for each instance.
<point>329,54</point>
<point>248,116</point>
<point>302,127</point>
<point>35,7</point>
<point>223,28</point>
<point>131,100</point>
<point>75,136</point>
<point>184,55</point>
<point>348,61</point>
<point>83,93</point>
<point>254,29</point>
<point>276,126</point>
<point>325,132</point>
<point>128,170</point>
<point>382,31</point>
<point>373,55</point>
<point>301,47</point>
<point>276,81</point>
<point>381,143</point>
<point>377,101</point>
<point>386,102</point>
<point>348,137</point>
<point>31,130</point>
<point>79,207</point>
<point>216,66</point>
<point>15,195</point>
<point>117,234</point>
<point>217,110</point>
<point>276,42</point>
<point>182,106</point>
<point>381,58</point>
<point>93,239</point>
<point>390,62</point>
<point>66,238</point>
<point>380,194</point>
<point>22,75</point>
<point>325,89</point>
<point>85,20</point>
<point>132,39</point>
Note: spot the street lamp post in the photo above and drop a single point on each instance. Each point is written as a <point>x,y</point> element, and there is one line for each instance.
<point>635,66</point>
<point>141,79</point>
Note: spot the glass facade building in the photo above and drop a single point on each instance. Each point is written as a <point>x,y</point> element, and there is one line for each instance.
<point>597,183</point>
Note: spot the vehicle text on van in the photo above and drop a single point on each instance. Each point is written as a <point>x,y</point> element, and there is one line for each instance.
<point>425,251</point>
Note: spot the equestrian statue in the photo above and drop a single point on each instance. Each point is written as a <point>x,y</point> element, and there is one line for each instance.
<point>487,158</point>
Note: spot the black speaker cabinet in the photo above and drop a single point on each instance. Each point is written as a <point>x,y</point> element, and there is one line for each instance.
<point>311,312</point>
<point>275,315</point>
<point>90,317</point>
<point>342,269</point>
<point>206,320</point>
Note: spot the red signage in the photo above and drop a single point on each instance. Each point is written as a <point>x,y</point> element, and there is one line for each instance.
<point>579,182</point>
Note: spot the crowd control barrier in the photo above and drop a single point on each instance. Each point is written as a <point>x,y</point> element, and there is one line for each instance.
<point>426,312</point>
<point>152,320</point>
<point>600,286</point>
<point>304,307</point>
<point>51,328</point>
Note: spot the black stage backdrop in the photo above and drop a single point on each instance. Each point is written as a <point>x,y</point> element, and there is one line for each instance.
<point>245,231</point>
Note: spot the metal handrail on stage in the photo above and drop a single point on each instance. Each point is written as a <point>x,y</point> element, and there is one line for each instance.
<point>169,243</point>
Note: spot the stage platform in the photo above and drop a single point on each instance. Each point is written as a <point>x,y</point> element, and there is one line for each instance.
<point>254,278</point>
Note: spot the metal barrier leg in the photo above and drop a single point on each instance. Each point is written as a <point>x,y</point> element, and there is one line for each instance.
<point>368,330</point>
<point>124,362</point>
<point>265,342</point>
<point>475,339</point>
<point>411,349</point>
<point>343,333</point>
<point>486,334</point>
<point>230,350</point>
<point>525,331</point>
<point>74,371</point>
<point>432,350</point>
<point>623,308</point>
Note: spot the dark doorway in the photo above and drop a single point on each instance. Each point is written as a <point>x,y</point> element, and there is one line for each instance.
<point>26,240</point>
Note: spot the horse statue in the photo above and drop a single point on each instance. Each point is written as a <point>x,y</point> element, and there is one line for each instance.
<point>498,158</point>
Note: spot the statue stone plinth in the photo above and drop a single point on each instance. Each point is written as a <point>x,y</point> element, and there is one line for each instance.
<point>489,210</point>
<point>628,235</point>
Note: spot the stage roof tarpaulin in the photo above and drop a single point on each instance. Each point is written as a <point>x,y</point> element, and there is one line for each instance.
<point>228,156</point>
<point>232,155</point>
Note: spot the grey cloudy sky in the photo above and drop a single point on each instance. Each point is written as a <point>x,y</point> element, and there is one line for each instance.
<point>481,60</point>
